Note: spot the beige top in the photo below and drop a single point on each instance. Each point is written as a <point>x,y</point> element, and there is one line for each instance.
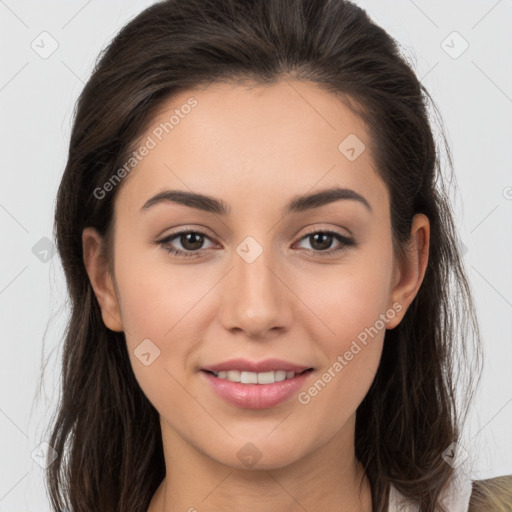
<point>456,499</point>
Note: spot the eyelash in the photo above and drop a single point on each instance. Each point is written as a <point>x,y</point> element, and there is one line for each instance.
<point>346,243</point>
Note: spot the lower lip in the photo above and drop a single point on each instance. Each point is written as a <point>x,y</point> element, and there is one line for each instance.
<point>256,396</point>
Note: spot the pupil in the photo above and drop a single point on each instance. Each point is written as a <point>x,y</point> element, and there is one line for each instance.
<point>325,236</point>
<point>196,245</point>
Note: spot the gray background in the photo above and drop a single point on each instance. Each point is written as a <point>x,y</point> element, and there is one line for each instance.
<point>473,91</point>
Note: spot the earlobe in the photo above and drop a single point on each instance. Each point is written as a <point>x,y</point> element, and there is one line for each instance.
<point>101,279</point>
<point>409,273</point>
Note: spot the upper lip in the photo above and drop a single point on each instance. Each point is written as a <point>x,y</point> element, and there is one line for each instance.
<point>266,365</point>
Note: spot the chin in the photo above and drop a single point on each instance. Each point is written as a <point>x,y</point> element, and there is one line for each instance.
<point>259,453</point>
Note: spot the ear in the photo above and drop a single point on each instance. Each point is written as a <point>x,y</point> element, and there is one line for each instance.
<point>101,279</point>
<point>408,273</point>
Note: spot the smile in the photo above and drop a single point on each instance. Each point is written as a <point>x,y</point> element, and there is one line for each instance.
<point>245,377</point>
<point>256,390</point>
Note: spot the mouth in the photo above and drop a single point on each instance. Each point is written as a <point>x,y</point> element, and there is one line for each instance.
<point>256,390</point>
<point>246,377</point>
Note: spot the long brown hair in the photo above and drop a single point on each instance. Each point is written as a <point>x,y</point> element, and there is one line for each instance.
<point>105,431</point>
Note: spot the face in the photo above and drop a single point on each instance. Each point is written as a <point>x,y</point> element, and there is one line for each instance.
<point>255,282</point>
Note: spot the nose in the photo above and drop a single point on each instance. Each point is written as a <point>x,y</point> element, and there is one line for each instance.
<point>256,299</point>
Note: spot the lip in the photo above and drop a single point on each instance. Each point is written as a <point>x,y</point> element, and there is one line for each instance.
<point>266,365</point>
<point>256,396</point>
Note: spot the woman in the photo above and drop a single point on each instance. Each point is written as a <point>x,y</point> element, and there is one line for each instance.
<point>212,361</point>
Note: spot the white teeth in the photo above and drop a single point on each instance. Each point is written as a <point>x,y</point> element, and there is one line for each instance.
<point>280,375</point>
<point>233,376</point>
<point>255,378</point>
<point>249,378</point>
<point>266,378</point>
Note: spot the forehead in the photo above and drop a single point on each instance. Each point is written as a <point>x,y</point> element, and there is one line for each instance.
<point>273,141</point>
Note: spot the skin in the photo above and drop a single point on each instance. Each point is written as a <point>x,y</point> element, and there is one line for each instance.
<point>256,148</point>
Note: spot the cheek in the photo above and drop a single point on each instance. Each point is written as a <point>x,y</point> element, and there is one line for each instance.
<point>158,303</point>
<point>351,297</point>
<point>157,299</point>
<point>166,305</point>
<point>352,302</point>
<point>352,349</point>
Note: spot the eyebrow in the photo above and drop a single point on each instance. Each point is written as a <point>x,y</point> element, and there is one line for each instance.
<point>297,204</point>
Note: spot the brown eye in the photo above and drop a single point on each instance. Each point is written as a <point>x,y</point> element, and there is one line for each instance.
<point>321,242</point>
<point>191,242</point>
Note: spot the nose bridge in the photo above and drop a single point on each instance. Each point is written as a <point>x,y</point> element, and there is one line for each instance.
<point>254,298</point>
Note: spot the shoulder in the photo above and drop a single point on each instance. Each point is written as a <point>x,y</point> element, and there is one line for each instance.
<point>491,495</point>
